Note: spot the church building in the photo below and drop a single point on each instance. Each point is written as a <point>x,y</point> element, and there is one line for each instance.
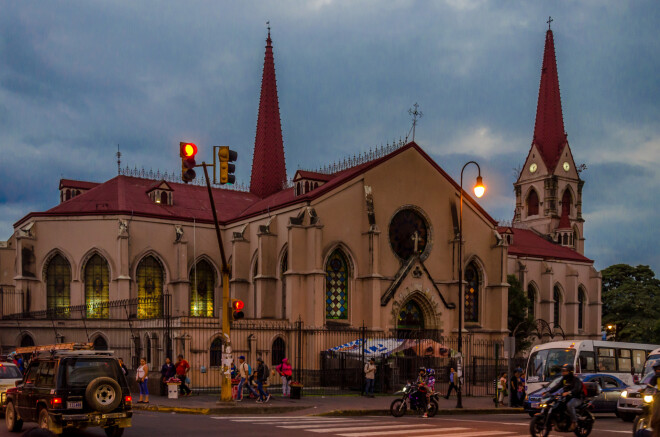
<point>372,242</point>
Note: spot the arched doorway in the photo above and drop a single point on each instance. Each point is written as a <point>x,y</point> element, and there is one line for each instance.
<point>278,351</point>
<point>27,341</point>
<point>100,344</point>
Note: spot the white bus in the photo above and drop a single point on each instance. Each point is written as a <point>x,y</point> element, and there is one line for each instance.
<point>651,360</point>
<point>588,356</point>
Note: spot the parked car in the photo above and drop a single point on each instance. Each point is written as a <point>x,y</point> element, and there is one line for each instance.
<point>606,402</point>
<point>630,402</point>
<point>9,375</point>
<point>64,389</point>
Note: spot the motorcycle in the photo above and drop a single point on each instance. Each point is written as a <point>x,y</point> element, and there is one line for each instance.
<point>415,400</point>
<point>643,421</point>
<point>554,415</point>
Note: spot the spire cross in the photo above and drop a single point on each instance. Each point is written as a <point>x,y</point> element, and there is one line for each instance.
<point>416,114</point>
<point>550,20</point>
<point>268,24</point>
<point>415,237</point>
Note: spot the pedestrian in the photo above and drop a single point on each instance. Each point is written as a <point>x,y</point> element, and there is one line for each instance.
<point>501,389</point>
<point>370,375</point>
<point>182,369</point>
<point>521,388</point>
<point>514,383</point>
<point>123,367</point>
<point>142,378</point>
<point>262,376</point>
<point>233,370</point>
<point>286,372</point>
<point>244,374</point>
<point>452,382</point>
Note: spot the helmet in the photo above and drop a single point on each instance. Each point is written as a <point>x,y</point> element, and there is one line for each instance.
<point>656,365</point>
<point>430,371</point>
<point>568,367</point>
<point>422,369</point>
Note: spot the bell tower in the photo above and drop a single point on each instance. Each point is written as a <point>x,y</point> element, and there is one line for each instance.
<point>549,188</point>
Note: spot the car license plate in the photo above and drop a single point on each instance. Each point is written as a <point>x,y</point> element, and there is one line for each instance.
<point>536,405</point>
<point>74,405</point>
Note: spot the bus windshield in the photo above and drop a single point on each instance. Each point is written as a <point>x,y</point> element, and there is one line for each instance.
<point>545,365</point>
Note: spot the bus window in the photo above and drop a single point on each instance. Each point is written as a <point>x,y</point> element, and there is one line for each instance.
<point>606,360</point>
<point>638,360</point>
<point>625,361</point>
<point>587,362</point>
<point>556,359</point>
<point>536,366</point>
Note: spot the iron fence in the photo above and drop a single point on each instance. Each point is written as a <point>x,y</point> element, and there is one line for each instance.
<point>326,360</point>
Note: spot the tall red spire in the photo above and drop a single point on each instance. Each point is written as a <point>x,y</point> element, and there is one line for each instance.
<point>268,167</point>
<point>549,134</point>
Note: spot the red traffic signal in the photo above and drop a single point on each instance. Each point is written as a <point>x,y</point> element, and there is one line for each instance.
<point>187,152</point>
<point>237,307</point>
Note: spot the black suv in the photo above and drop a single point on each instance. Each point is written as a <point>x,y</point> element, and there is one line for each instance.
<point>71,389</point>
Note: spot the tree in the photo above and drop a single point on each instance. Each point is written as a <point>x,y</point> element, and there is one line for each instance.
<point>631,302</point>
<point>518,313</point>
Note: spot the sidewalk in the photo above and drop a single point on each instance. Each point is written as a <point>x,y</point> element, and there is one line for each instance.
<point>346,405</point>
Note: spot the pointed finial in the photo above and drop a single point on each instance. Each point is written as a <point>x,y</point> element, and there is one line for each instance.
<point>268,24</point>
<point>550,20</point>
<point>416,115</point>
<point>118,160</point>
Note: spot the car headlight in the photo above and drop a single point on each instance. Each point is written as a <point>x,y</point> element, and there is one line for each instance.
<point>648,398</point>
<point>624,394</point>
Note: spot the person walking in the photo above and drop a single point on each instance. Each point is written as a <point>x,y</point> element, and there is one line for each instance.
<point>370,376</point>
<point>452,382</point>
<point>501,389</point>
<point>286,372</point>
<point>262,376</point>
<point>182,369</point>
<point>244,374</point>
<point>142,378</point>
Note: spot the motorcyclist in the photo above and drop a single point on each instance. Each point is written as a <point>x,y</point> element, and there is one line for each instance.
<point>655,379</point>
<point>571,386</point>
<point>422,387</point>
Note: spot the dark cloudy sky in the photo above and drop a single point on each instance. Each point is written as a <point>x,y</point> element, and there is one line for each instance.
<point>79,77</point>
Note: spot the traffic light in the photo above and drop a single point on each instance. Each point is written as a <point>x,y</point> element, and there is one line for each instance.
<point>237,309</point>
<point>187,151</point>
<point>226,169</point>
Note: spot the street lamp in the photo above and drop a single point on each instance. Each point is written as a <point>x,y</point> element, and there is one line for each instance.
<point>479,190</point>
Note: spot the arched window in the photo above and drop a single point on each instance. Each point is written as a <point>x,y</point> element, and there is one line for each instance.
<point>306,186</point>
<point>150,279</point>
<point>163,198</point>
<point>582,298</point>
<point>137,351</point>
<point>575,237</point>
<point>27,341</point>
<point>556,295</point>
<point>336,287</point>
<point>531,297</point>
<point>532,203</point>
<point>566,201</point>
<point>58,286</point>
<point>100,344</point>
<point>202,289</point>
<point>147,347</point>
<point>97,279</point>
<point>68,194</point>
<point>410,316</point>
<point>215,353</point>
<point>316,185</point>
<point>278,351</point>
<point>565,239</point>
<point>284,266</point>
<point>471,292</point>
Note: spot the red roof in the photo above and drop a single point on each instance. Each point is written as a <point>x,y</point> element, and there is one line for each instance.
<point>314,176</point>
<point>128,195</point>
<point>549,134</point>
<point>81,185</point>
<point>529,243</point>
<point>268,166</point>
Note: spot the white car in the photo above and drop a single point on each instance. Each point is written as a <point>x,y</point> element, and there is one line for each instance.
<point>9,374</point>
<point>630,402</point>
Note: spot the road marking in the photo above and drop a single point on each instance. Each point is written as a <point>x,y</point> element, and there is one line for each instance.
<point>294,419</point>
<point>372,428</point>
<point>439,433</point>
<point>319,425</point>
<point>407,432</point>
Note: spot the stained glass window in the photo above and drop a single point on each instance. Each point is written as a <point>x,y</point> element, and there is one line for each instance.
<point>150,278</point>
<point>410,316</point>
<point>97,296</point>
<point>202,289</point>
<point>58,286</point>
<point>408,226</point>
<point>531,297</point>
<point>471,293</point>
<point>556,295</point>
<point>336,287</point>
<point>581,301</point>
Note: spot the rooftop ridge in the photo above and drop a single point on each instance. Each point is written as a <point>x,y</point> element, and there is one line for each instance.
<point>361,158</point>
<point>175,177</point>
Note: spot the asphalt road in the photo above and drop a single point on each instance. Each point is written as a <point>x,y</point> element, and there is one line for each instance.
<point>180,425</point>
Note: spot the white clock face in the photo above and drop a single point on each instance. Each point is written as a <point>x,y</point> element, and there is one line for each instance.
<point>533,168</point>
<point>567,166</point>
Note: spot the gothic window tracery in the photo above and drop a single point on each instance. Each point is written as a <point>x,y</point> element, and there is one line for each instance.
<point>556,295</point>
<point>150,279</point>
<point>202,289</point>
<point>97,283</point>
<point>408,229</point>
<point>566,200</point>
<point>581,306</point>
<point>58,286</point>
<point>531,296</point>
<point>410,316</point>
<point>471,293</point>
<point>336,287</point>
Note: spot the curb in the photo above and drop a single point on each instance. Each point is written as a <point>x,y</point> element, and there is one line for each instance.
<point>443,412</point>
<point>220,411</point>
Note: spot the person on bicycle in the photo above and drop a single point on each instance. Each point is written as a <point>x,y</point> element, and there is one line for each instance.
<point>572,389</point>
<point>422,387</point>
